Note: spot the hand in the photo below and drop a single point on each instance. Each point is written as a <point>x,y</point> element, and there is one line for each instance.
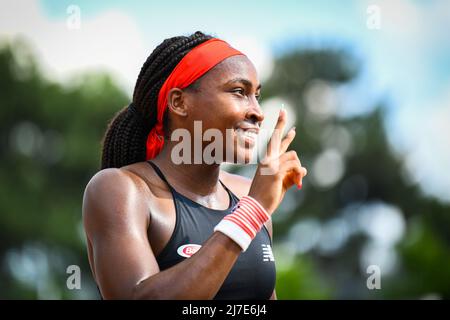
<point>279,170</point>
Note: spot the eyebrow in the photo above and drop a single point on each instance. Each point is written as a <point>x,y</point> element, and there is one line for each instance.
<point>244,81</point>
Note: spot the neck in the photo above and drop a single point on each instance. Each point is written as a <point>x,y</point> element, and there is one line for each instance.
<point>200,179</point>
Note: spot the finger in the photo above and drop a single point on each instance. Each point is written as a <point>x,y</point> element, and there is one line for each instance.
<point>287,140</point>
<point>273,147</point>
<point>290,155</point>
<point>292,173</point>
<point>295,166</point>
<point>290,165</point>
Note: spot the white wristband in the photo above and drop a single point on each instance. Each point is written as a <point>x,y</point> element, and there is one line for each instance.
<point>244,222</point>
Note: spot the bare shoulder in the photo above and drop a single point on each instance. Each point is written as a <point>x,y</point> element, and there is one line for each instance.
<point>240,186</point>
<point>114,179</point>
<point>113,196</point>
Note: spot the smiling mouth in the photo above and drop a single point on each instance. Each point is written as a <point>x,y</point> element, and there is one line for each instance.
<point>247,135</point>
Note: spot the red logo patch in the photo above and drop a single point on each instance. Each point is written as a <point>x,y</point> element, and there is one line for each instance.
<point>188,250</point>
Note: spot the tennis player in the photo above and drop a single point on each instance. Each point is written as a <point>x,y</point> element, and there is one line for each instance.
<point>160,229</point>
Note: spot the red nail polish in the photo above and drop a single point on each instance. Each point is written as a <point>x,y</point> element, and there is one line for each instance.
<point>299,186</point>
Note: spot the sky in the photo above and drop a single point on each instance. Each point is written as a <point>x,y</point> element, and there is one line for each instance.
<point>406,55</point>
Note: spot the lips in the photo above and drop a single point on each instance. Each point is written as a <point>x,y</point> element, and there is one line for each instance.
<point>254,129</point>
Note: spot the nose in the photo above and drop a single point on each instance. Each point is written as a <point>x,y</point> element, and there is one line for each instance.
<point>254,113</point>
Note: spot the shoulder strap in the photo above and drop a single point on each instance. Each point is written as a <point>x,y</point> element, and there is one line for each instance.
<point>230,193</point>
<point>159,173</point>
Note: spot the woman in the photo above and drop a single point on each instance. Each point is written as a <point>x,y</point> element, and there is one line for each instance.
<point>157,229</point>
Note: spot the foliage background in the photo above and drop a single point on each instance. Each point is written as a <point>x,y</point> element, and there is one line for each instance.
<point>368,199</point>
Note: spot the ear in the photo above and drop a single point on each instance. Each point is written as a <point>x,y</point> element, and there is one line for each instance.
<point>176,101</point>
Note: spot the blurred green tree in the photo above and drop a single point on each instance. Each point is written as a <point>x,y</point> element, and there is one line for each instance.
<point>50,148</point>
<point>372,174</point>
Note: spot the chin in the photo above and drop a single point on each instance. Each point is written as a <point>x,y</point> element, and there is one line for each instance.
<point>242,152</point>
<point>244,155</point>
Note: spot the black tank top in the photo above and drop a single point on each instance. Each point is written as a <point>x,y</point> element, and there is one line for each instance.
<point>253,274</point>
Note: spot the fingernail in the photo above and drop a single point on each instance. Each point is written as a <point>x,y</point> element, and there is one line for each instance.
<point>282,108</point>
<point>299,186</point>
<point>293,128</point>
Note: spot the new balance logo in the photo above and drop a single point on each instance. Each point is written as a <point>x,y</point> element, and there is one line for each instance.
<point>267,253</point>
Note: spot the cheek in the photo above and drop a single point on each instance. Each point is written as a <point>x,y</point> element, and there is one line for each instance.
<point>222,113</point>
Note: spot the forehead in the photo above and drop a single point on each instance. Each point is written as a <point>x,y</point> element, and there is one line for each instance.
<point>231,68</point>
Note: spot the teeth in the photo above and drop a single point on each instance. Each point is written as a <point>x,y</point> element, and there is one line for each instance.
<point>247,133</point>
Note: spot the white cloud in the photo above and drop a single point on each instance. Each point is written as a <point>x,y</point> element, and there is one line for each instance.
<point>427,157</point>
<point>109,41</point>
<point>403,63</point>
<point>257,52</point>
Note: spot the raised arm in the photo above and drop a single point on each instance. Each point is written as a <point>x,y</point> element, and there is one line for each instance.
<point>116,220</point>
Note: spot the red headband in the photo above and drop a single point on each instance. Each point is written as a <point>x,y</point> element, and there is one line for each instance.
<point>194,64</point>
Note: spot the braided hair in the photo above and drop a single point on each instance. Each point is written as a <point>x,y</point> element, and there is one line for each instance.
<point>126,135</point>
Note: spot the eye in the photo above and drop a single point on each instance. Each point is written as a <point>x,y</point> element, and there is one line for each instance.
<point>258,96</point>
<point>239,91</point>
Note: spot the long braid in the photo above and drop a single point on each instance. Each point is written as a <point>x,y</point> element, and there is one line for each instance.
<point>126,135</point>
